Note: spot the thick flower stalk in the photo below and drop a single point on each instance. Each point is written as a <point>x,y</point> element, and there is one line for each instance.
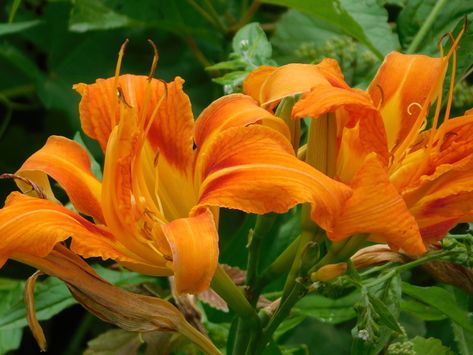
<point>410,185</point>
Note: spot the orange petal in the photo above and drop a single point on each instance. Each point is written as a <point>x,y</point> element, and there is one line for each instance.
<point>253,169</point>
<point>171,129</point>
<point>403,80</point>
<point>194,244</point>
<point>231,111</point>
<point>69,164</point>
<point>376,207</point>
<point>254,81</point>
<point>291,79</point>
<point>34,226</point>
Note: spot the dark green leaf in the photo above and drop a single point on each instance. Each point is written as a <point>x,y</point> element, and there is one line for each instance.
<point>442,300</point>
<point>287,325</point>
<point>8,28</point>
<point>90,15</point>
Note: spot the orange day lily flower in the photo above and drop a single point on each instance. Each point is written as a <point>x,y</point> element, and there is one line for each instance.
<point>155,210</point>
<point>410,185</point>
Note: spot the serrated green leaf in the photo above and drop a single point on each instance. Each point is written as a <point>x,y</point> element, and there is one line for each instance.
<point>332,311</point>
<point>429,346</point>
<point>442,300</point>
<point>9,28</point>
<point>366,21</point>
<point>236,64</point>
<point>87,15</point>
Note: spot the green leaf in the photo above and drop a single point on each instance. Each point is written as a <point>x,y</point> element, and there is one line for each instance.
<point>364,20</point>
<point>332,311</point>
<point>429,346</point>
<point>415,12</point>
<point>8,28</point>
<point>287,325</point>
<point>386,316</point>
<point>442,300</point>
<point>87,15</point>
<point>421,310</point>
<point>251,43</point>
<point>51,297</point>
<point>10,340</point>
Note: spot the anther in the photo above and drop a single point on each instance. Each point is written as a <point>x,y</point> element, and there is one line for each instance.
<point>155,60</point>
<point>416,104</point>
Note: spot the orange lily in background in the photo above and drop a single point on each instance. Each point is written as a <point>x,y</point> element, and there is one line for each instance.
<point>410,186</point>
<point>153,209</point>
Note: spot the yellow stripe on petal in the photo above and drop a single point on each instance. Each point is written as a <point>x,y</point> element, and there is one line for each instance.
<point>194,244</point>
<point>253,169</point>
<point>69,164</point>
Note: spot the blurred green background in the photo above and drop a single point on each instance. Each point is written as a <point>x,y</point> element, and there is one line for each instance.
<point>47,46</point>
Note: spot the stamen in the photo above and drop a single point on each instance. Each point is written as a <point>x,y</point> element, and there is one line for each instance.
<point>155,60</point>
<point>382,96</point>
<point>121,53</point>
<point>121,97</point>
<point>156,108</point>
<point>415,104</point>
<point>148,85</point>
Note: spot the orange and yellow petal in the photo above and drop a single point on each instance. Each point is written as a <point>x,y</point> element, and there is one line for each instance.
<point>194,245</point>
<point>254,81</point>
<point>69,164</point>
<point>377,208</point>
<point>33,226</point>
<point>231,111</point>
<point>404,84</point>
<point>253,169</point>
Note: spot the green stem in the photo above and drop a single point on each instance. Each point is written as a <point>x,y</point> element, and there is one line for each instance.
<point>340,251</point>
<point>279,266</point>
<point>296,293</point>
<point>233,295</point>
<point>216,17</point>
<point>203,13</point>
<point>255,241</point>
<point>426,26</point>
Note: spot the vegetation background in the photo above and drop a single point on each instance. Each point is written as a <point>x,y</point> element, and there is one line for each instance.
<point>47,46</point>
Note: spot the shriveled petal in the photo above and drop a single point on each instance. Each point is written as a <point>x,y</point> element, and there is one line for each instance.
<point>194,245</point>
<point>376,207</point>
<point>253,169</point>
<point>402,84</point>
<point>231,111</point>
<point>69,164</point>
<point>34,226</point>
